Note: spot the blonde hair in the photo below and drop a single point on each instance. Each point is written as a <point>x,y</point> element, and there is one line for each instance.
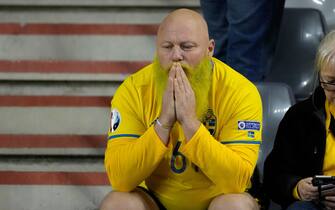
<point>325,56</point>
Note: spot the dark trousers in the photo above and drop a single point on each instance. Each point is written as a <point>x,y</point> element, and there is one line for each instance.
<point>243,31</point>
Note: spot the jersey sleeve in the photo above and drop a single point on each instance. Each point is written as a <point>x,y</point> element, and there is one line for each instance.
<point>229,161</point>
<point>133,149</point>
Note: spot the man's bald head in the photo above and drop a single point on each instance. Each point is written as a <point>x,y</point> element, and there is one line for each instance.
<point>186,18</point>
<point>183,37</point>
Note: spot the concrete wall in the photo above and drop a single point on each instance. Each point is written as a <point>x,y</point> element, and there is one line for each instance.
<point>60,64</point>
<point>104,3</point>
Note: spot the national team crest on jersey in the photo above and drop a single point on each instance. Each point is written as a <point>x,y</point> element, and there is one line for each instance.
<point>210,121</point>
<point>115,120</point>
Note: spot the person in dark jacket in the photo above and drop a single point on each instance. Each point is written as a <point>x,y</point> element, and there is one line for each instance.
<point>305,143</point>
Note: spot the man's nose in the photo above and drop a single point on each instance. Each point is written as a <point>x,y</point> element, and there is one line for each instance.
<point>177,54</point>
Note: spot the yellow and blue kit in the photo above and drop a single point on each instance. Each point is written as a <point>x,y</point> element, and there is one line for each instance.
<point>218,159</point>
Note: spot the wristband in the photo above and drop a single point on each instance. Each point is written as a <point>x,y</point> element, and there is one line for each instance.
<point>162,125</point>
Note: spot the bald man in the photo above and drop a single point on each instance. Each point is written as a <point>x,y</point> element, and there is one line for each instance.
<point>187,126</point>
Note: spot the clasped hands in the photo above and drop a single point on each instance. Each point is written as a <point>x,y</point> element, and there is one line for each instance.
<point>179,103</point>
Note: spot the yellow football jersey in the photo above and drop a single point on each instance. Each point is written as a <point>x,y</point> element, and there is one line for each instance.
<point>328,163</point>
<point>218,159</point>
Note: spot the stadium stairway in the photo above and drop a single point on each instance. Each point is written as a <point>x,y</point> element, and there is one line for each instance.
<point>60,64</point>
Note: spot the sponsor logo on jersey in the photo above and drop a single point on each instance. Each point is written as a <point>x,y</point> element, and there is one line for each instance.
<point>209,121</point>
<point>115,120</point>
<point>249,125</point>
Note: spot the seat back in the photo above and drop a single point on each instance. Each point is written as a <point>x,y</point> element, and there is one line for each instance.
<point>277,98</point>
<point>293,63</point>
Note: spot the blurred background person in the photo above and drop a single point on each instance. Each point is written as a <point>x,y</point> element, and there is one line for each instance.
<point>245,33</point>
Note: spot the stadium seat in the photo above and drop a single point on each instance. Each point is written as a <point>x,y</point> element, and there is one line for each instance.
<point>277,98</point>
<point>293,63</point>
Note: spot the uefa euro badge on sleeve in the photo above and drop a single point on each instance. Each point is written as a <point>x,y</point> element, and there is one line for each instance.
<point>115,120</point>
<point>209,121</point>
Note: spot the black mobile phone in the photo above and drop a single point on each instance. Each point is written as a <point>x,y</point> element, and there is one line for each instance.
<point>319,180</point>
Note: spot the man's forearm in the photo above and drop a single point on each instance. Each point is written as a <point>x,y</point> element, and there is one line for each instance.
<point>129,161</point>
<point>190,127</point>
<point>163,131</point>
<point>220,162</point>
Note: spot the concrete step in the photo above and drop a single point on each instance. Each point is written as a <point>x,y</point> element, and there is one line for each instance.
<point>60,64</point>
<point>51,197</point>
<point>61,51</point>
<point>54,125</point>
<point>103,3</point>
<point>58,88</point>
<point>60,145</point>
<point>46,70</point>
<point>55,100</point>
<point>84,15</point>
<point>83,47</point>
<point>52,183</point>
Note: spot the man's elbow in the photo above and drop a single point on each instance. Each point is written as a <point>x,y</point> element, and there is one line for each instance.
<point>122,186</point>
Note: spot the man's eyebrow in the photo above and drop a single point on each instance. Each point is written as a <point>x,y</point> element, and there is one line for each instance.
<point>165,43</point>
<point>188,42</point>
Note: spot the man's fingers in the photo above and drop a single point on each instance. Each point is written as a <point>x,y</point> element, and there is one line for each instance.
<point>172,76</point>
<point>179,77</point>
<point>180,81</point>
<point>170,84</point>
<point>172,72</point>
<point>186,83</point>
<point>177,91</point>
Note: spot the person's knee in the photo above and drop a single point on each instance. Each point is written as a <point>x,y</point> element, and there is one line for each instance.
<point>241,201</point>
<point>303,205</point>
<point>119,200</point>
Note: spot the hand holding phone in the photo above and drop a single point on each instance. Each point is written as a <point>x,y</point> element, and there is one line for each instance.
<point>326,189</point>
<point>325,184</point>
<point>306,191</point>
<point>321,180</point>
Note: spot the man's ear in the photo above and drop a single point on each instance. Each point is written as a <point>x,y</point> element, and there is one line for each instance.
<point>211,47</point>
